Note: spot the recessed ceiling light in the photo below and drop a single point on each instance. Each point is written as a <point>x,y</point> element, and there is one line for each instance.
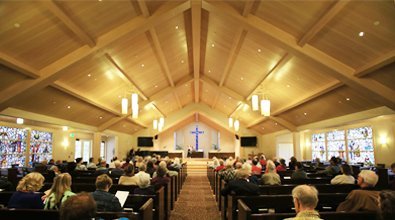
<point>263,128</point>
<point>99,0</point>
<point>69,107</point>
<point>54,102</point>
<point>259,50</point>
<point>348,99</point>
<point>206,90</point>
<point>119,96</point>
<point>339,102</point>
<point>182,61</point>
<point>124,126</point>
<point>156,86</point>
<point>241,78</point>
<point>229,97</point>
<point>176,27</point>
<point>212,45</point>
<point>89,75</point>
<point>209,71</point>
<point>142,65</point>
<point>376,23</point>
<point>65,128</point>
<point>275,123</point>
<point>100,117</point>
<point>17,25</point>
<point>288,85</point>
<point>305,113</point>
<point>361,34</point>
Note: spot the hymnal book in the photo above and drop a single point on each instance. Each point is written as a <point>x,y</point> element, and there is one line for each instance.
<point>122,196</point>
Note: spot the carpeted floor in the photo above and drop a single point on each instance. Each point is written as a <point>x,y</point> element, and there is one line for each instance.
<point>196,201</point>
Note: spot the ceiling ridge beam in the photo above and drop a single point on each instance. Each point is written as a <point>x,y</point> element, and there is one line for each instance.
<point>77,94</point>
<point>316,93</point>
<point>130,119</point>
<point>125,76</point>
<point>286,124</point>
<point>378,92</point>
<point>196,8</point>
<point>70,24</point>
<point>19,66</point>
<point>280,64</point>
<point>143,8</point>
<point>54,71</point>
<point>247,7</point>
<point>158,110</point>
<point>324,20</point>
<point>238,107</point>
<point>375,64</point>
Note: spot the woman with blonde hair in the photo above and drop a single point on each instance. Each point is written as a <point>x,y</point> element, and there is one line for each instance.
<point>59,192</point>
<point>26,196</point>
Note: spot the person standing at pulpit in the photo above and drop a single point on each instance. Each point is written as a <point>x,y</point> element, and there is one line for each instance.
<point>189,154</point>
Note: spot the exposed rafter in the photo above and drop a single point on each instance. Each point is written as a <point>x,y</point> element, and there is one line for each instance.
<point>248,7</point>
<point>325,19</point>
<point>72,25</point>
<point>18,66</point>
<point>223,89</point>
<point>284,60</point>
<point>375,64</point>
<point>54,71</point>
<point>196,8</point>
<point>286,124</point>
<point>238,107</point>
<point>308,97</point>
<point>368,87</point>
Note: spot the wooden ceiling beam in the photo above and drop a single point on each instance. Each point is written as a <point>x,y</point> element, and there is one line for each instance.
<point>280,64</point>
<point>324,20</point>
<point>19,66</point>
<point>368,87</point>
<point>238,107</point>
<point>111,122</point>
<point>286,124</point>
<point>54,71</point>
<point>143,8</point>
<point>247,7</point>
<point>70,24</point>
<point>83,97</point>
<point>125,76</point>
<point>308,97</point>
<point>375,64</point>
<point>196,8</point>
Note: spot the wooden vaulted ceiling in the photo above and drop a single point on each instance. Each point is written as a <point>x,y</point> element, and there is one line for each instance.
<point>75,60</point>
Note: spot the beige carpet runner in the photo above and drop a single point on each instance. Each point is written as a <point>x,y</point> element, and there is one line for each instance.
<point>196,201</point>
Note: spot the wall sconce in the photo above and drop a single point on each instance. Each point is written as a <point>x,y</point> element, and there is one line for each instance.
<point>19,121</point>
<point>383,139</point>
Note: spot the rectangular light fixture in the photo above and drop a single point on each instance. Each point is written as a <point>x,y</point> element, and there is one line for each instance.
<point>237,125</point>
<point>124,106</point>
<point>155,124</point>
<point>255,102</point>
<point>265,107</point>
<point>230,121</point>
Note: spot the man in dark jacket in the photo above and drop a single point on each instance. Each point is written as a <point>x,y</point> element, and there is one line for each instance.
<point>241,185</point>
<point>105,201</point>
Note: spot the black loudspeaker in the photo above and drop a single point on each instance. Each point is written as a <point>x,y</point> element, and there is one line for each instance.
<point>156,137</point>
<point>237,137</point>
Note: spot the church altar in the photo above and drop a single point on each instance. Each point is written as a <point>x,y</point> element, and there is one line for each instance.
<point>197,154</point>
<point>220,155</point>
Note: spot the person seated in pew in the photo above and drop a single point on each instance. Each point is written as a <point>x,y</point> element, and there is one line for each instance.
<point>270,177</point>
<point>91,164</point>
<point>221,165</point>
<point>282,166</point>
<point>229,172</point>
<point>364,199</point>
<point>129,179</point>
<point>102,168</point>
<point>125,163</point>
<point>117,171</point>
<point>170,173</point>
<point>79,207</point>
<point>299,172</point>
<point>305,200</point>
<point>59,192</point>
<point>27,195</point>
<point>105,201</point>
<point>292,163</point>
<point>346,177</point>
<point>151,167</point>
<point>80,166</point>
<point>255,170</point>
<point>145,188</point>
<point>391,175</point>
<point>161,178</point>
<point>387,205</point>
<point>241,185</point>
<point>333,169</point>
<point>142,169</point>
<point>252,178</point>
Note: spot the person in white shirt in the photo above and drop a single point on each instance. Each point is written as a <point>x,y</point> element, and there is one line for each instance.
<point>345,177</point>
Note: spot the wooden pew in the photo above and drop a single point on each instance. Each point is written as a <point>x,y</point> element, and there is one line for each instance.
<point>317,180</point>
<point>280,203</point>
<point>322,188</point>
<point>142,213</point>
<point>245,213</point>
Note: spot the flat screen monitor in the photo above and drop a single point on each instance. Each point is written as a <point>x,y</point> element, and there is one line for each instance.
<point>248,141</point>
<point>145,142</point>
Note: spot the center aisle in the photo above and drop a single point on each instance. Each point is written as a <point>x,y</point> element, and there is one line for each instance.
<point>196,201</point>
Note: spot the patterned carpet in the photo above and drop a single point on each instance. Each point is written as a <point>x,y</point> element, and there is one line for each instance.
<point>196,201</point>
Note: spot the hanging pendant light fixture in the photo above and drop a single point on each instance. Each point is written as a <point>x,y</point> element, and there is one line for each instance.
<point>237,125</point>
<point>124,104</point>
<point>230,121</point>
<point>265,107</point>
<point>155,124</point>
<point>255,102</point>
<point>135,105</point>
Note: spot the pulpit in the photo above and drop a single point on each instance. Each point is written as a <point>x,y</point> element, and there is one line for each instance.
<point>197,154</point>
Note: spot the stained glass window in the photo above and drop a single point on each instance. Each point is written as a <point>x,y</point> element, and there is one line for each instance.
<point>336,143</point>
<point>12,146</point>
<point>40,146</point>
<point>318,146</point>
<point>360,145</point>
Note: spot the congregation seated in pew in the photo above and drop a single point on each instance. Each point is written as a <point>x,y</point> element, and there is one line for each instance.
<point>59,192</point>
<point>270,177</point>
<point>27,195</point>
<point>128,178</point>
<point>345,177</point>
<point>105,201</point>
<point>305,200</point>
